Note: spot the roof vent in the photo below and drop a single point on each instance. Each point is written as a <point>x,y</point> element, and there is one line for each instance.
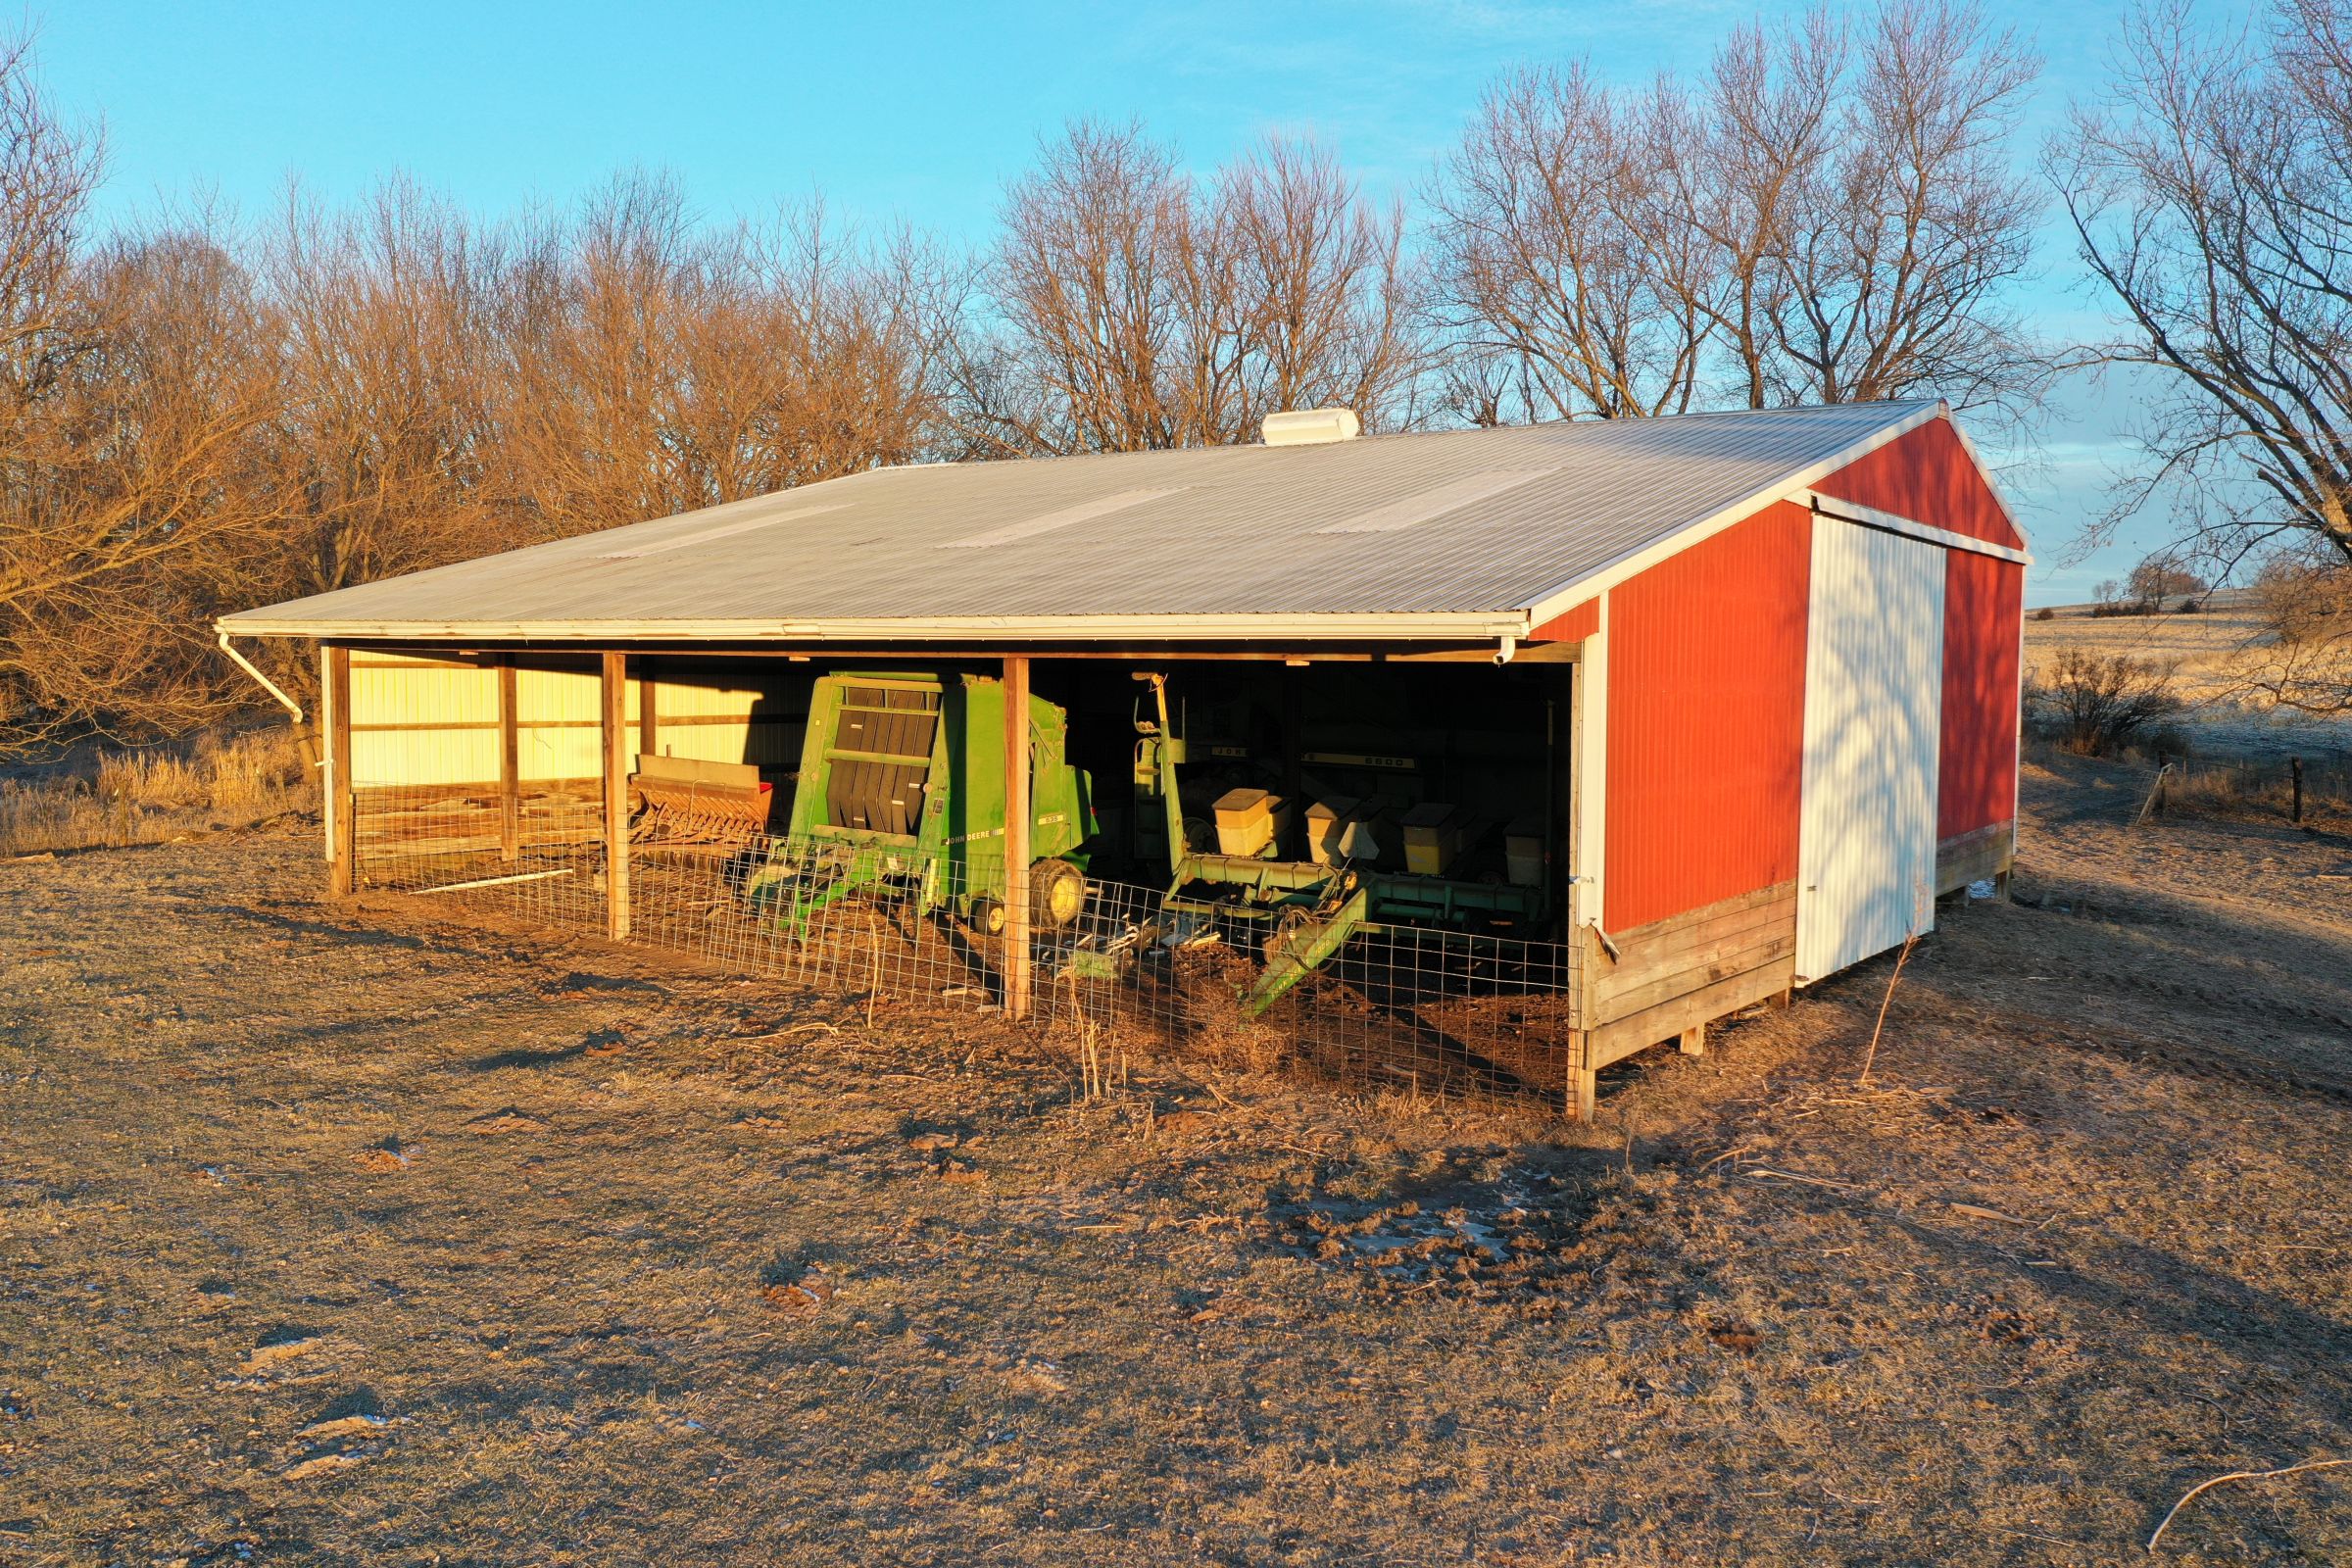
<point>1306,427</point>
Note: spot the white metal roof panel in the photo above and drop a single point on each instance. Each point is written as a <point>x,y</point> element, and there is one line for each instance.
<point>1220,542</point>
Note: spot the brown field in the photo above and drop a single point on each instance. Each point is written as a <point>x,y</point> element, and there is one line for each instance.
<point>2214,650</point>
<point>335,1234</point>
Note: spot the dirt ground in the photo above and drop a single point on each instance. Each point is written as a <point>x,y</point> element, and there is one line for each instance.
<point>336,1234</point>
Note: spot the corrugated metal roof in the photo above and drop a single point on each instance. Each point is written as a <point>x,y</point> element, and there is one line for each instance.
<point>1221,542</point>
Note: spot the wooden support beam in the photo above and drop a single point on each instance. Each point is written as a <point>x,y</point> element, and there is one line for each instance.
<point>1294,744</point>
<point>1017,836</point>
<point>342,799</point>
<point>617,796</point>
<point>1693,1039</point>
<point>509,766</point>
<point>649,710</point>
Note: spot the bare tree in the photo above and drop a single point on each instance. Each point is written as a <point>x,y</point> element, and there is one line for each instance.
<point>130,500</point>
<point>1133,308</point>
<point>1894,257</point>
<point>1320,287</point>
<point>1557,266</point>
<point>133,374</point>
<point>1827,217</point>
<point>1113,319</point>
<point>2302,599</point>
<point>654,367</point>
<point>1745,160</point>
<point>2211,194</point>
<point>381,445</point>
<point>2162,576</point>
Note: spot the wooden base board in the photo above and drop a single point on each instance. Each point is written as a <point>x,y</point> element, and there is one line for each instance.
<point>1682,1022</point>
<point>1974,857</point>
<point>1675,977</point>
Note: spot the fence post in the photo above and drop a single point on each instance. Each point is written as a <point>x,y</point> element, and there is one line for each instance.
<point>1017,836</point>
<point>510,763</point>
<point>342,798</point>
<point>649,710</point>
<point>2294,766</point>
<point>615,715</point>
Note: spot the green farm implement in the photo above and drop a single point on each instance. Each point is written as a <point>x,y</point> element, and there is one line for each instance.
<point>902,793</point>
<point>1301,913</point>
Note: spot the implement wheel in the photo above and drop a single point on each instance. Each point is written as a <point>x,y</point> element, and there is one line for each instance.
<point>1057,894</point>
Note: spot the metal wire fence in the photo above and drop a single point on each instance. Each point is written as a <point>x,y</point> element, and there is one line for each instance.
<point>2287,784</point>
<point>1114,966</point>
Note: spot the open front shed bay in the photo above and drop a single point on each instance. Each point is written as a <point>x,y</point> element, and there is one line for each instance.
<point>1475,757</point>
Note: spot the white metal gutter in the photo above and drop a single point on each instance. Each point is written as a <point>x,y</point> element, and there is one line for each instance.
<point>1480,627</point>
<point>267,685</point>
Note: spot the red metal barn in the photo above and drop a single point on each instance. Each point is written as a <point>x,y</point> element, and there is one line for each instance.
<point>1803,716</point>
<point>1642,720</point>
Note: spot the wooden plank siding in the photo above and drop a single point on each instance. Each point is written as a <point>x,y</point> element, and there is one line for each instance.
<point>1974,857</point>
<point>1689,969</point>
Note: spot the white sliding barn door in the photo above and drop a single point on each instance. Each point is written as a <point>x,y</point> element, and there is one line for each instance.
<point>1874,699</point>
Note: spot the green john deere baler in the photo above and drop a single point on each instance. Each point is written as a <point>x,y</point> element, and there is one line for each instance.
<point>902,790</point>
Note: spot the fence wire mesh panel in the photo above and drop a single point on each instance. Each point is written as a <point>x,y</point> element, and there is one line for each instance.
<point>1421,1010</point>
<point>826,914</point>
<point>453,842</point>
<point>1113,965</point>
<point>2265,781</point>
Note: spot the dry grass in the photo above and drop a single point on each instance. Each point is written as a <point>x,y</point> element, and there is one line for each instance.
<point>153,795</point>
<point>338,1234</point>
<point>2261,789</point>
<point>2211,650</point>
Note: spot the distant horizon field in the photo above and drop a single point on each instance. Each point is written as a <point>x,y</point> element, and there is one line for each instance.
<point>2222,716</point>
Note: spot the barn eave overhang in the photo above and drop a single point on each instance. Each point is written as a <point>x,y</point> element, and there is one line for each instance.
<point>1461,626</point>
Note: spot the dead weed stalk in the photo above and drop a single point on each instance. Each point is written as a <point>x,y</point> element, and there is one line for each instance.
<point>2238,1475</point>
<point>1910,940</point>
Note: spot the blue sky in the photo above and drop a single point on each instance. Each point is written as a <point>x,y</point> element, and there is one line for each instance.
<point>915,112</point>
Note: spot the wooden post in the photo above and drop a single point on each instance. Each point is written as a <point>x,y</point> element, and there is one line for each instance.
<point>1017,836</point>
<point>342,797</point>
<point>649,710</point>
<point>615,715</point>
<point>1294,744</point>
<point>2294,766</point>
<point>509,764</point>
<point>1693,1041</point>
<point>1584,1093</point>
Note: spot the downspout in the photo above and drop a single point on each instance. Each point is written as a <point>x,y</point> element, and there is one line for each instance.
<point>267,685</point>
<point>1506,650</point>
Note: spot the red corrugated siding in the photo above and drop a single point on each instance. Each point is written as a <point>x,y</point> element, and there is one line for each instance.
<point>1984,601</point>
<point>1708,720</point>
<point>1928,476</point>
<point>1574,627</point>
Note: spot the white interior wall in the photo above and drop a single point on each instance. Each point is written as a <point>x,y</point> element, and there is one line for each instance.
<point>420,720</point>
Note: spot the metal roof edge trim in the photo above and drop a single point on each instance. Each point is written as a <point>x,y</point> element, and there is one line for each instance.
<point>1344,627</point>
<point>1601,578</point>
<point>1910,527</point>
